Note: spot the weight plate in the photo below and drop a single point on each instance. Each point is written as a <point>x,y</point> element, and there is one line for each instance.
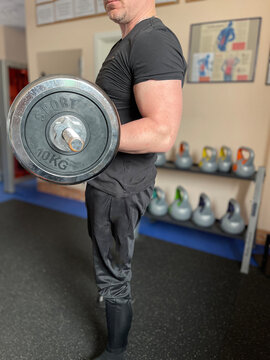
<point>42,105</point>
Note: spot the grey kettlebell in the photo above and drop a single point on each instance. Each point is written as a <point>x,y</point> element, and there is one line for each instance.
<point>161,159</point>
<point>180,209</point>
<point>208,162</point>
<point>225,159</point>
<point>203,215</point>
<point>183,159</point>
<point>232,222</point>
<point>158,205</point>
<point>244,167</point>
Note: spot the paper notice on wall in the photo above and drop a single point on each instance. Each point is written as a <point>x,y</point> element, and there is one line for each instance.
<point>84,7</point>
<point>202,67</point>
<point>42,1</point>
<point>63,10</point>
<point>100,7</point>
<point>45,14</point>
<point>165,1</point>
<point>224,36</point>
<point>232,66</point>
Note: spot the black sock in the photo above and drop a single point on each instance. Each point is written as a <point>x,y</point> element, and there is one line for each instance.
<point>119,318</point>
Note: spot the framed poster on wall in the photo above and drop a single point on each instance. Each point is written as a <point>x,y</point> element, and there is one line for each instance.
<point>268,72</point>
<point>223,51</point>
<point>166,2</point>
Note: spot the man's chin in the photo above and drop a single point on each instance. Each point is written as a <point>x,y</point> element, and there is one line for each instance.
<point>117,18</point>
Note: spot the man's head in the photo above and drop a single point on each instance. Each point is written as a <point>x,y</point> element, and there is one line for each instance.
<point>126,11</point>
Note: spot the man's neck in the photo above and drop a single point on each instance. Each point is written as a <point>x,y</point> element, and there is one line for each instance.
<point>126,28</point>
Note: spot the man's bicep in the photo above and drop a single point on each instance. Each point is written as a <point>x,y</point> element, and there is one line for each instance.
<point>160,100</point>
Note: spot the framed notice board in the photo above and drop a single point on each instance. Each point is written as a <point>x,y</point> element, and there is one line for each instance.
<point>224,51</point>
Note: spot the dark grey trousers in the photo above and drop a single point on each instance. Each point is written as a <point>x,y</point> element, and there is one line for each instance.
<point>111,225</point>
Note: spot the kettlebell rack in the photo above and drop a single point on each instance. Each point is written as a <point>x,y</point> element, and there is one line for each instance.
<point>250,231</point>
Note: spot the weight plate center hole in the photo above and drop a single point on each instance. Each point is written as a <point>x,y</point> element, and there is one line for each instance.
<point>68,133</point>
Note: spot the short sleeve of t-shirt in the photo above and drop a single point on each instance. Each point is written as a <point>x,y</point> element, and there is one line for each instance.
<point>156,54</point>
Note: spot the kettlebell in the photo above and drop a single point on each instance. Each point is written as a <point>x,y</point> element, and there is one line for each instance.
<point>161,159</point>
<point>183,159</point>
<point>225,159</point>
<point>208,162</point>
<point>203,216</point>
<point>180,209</point>
<point>158,205</point>
<point>232,222</point>
<point>244,167</point>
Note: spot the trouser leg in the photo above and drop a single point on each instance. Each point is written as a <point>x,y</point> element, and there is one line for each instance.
<point>111,224</point>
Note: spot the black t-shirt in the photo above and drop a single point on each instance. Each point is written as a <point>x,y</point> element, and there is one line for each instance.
<point>150,51</point>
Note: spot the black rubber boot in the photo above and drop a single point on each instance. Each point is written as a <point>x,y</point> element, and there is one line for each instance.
<point>119,318</point>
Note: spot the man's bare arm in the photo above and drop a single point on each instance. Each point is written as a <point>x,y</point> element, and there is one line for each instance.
<point>160,104</point>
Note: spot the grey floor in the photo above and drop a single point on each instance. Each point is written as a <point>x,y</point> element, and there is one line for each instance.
<point>189,305</point>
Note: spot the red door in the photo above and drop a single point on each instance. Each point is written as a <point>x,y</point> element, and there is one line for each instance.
<point>18,79</point>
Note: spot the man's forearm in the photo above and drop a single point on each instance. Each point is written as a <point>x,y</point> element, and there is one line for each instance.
<point>145,136</point>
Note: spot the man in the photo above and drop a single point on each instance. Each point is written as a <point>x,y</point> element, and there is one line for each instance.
<point>143,75</point>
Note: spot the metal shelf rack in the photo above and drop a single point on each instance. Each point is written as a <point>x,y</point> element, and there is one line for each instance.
<point>250,231</point>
